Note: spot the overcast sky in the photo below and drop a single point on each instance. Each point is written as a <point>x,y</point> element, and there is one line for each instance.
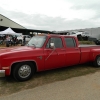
<point>53,14</point>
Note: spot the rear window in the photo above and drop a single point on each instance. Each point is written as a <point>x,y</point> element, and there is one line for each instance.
<point>70,42</point>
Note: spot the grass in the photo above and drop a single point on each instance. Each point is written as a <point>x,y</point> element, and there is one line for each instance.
<point>86,42</point>
<point>4,45</point>
<point>8,85</point>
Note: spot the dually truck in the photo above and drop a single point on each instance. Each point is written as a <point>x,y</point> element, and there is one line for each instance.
<point>45,52</point>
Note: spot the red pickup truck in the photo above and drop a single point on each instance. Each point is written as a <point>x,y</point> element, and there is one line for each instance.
<point>44,53</point>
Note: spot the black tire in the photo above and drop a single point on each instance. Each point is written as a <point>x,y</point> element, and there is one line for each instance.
<point>97,61</point>
<point>23,71</point>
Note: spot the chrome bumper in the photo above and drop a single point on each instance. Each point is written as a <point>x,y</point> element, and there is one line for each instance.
<point>2,73</point>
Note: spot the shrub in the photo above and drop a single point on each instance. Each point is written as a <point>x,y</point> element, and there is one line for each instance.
<point>86,42</point>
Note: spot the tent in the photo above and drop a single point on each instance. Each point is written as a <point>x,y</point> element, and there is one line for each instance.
<point>9,31</point>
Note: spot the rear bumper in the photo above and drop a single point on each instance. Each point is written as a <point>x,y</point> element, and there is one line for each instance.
<point>2,73</point>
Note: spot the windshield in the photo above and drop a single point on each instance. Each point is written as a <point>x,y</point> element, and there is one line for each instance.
<point>37,41</point>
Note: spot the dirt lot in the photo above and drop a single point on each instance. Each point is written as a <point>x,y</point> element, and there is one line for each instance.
<point>86,87</point>
<point>8,85</point>
<point>4,46</point>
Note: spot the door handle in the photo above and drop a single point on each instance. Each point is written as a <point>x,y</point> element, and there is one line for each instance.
<point>40,57</point>
<point>62,49</point>
<point>76,48</point>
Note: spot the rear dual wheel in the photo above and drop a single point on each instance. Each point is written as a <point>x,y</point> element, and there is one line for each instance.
<point>97,61</point>
<point>23,71</point>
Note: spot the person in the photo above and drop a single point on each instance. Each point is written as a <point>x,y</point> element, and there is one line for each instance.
<point>1,41</point>
<point>11,40</point>
<point>14,39</point>
<point>7,41</point>
<point>24,40</point>
<point>3,38</point>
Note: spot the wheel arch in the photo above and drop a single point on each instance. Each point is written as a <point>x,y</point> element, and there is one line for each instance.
<point>13,65</point>
<point>96,55</point>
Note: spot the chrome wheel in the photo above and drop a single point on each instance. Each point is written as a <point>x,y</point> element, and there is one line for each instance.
<point>98,61</point>
<point>24,71</point>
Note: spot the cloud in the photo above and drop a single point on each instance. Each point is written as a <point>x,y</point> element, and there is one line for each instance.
<point>53,15</point>
<point>39,21</point>
<point>80,4</point>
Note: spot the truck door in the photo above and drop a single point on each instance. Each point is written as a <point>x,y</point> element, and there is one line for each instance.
<point>54,58</point>
<point>72,51</point>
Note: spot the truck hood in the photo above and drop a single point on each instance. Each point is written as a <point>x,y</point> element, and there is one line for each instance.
<point>15,49</point>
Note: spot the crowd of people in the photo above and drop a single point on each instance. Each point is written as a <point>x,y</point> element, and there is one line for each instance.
<point>10,40</point>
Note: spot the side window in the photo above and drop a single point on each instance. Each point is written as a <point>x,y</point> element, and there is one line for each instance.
<point>70,42</point>
<point>56,40</point>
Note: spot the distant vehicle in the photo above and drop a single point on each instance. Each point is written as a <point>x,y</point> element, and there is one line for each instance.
<point>83,34</point>
<point>92,39</point>
<point>72,33</point>
<point>20,38</point>
<point>95,40</point>
<point>80,35</point>
<point>27,37</point>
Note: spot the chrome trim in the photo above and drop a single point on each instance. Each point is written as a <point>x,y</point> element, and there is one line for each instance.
<point>23,61</point>
<point>2,73</point>
<point>24,71</point>
<point>5,68</point>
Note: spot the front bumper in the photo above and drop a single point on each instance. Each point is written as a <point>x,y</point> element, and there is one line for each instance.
<point>2,73</point>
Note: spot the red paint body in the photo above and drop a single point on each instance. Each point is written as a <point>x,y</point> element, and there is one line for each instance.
<point>61,57</point>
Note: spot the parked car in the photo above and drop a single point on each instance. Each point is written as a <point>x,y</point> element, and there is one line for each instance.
<point>75,33</point>
<point>46,52</point>
<point>20,38</point>
<point>97,41</point>
<point>80,35</point>
<point>27,37</point>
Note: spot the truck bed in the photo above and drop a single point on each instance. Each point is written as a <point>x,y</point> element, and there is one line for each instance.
<point>85,45</point>
<point>86,55</point>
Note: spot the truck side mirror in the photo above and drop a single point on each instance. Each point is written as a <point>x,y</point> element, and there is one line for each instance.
<point>52,45</point>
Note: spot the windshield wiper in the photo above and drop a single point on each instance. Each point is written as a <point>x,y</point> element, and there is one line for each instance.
<point>31,44</point>
<point>34,45</point>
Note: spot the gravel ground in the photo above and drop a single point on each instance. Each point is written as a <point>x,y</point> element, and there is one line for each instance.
<point>78,88</point>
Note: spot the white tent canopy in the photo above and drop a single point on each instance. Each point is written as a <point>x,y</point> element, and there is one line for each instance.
<point>9,31</point>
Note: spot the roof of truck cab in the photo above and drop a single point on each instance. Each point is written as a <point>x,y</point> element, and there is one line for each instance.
<point>87,45</point>
<point>55,35</point>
